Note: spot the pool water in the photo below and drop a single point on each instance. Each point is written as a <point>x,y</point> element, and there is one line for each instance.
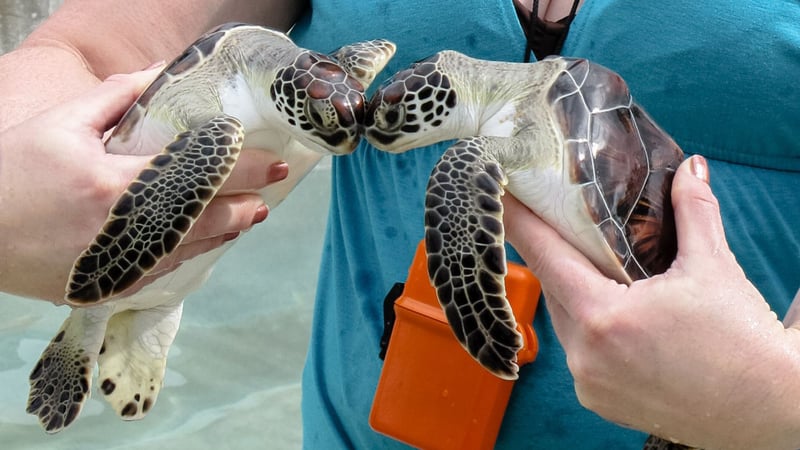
<point>233,373</point>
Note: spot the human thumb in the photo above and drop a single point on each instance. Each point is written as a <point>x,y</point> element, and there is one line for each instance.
<point>697,216</point>
<point>105,104</point>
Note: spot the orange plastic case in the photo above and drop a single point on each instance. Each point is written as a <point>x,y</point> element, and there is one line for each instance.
<point>432,394</point>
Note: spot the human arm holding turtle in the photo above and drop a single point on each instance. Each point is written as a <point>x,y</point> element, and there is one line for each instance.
<point>695,354</point>
<point>237,86</point>
<point>746,421</point>
<point>65,175</point>
<point>56,188</point>
<point>86,41</point>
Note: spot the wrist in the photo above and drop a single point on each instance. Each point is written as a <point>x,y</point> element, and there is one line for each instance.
<point>26,80</point>
<point>769,415</point>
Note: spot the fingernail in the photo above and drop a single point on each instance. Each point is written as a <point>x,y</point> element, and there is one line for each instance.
<point>261,214</point>
<point>277,172</point>
<point>699,167</point>
<point>155,65</point>
<point>230,236</point>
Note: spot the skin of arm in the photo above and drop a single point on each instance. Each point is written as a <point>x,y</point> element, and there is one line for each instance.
<point>78,50</point>
<point>53,168</point>
<point>695,354</point>
<point>57,182</point>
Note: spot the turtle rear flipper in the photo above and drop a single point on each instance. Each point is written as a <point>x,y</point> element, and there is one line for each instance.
<point>61,380</point>
<point>464,238</point>
<point>153,215</point>
<point>364,60</point>
<point>134,358</point>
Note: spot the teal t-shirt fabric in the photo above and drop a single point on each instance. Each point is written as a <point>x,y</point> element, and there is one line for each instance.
<point>719,77</point>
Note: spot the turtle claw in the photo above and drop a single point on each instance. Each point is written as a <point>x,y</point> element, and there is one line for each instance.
<point>158,208</point>
<point>464,239</point>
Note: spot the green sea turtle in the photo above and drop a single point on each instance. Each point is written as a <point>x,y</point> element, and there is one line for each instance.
<point>238,86</point>
<point>565,137</point>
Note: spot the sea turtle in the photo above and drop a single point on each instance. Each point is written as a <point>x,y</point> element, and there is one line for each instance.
<point>565,137</point>
<point>238,86</point>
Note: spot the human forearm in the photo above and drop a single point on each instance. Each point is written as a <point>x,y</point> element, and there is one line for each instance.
<point>32,79</point>
<point>84,42</point>
<point>769,415</point>
<point>57,184</point>
<point>122,36</point>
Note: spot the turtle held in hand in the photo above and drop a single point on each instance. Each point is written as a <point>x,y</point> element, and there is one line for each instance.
<point>239,86</point>
<point>565,137</point>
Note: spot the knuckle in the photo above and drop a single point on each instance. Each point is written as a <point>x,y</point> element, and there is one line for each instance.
<point>604,335</point>
<point>244,212</point>
<point>586,397</point>
<point>103,189</point>
<point>589,388</point>
<point>579,368</point>
<point>707,201</point>
<point>246,177</point>
<point>599,327</point>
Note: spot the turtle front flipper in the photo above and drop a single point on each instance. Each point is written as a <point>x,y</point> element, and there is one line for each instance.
<point>464,238</point>
<point>61,380</point>
<point>156,211</point>
<point>134,358</point>
<point>364,60</point>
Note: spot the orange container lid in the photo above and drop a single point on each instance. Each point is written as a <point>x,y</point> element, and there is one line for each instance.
<point>432,394</point>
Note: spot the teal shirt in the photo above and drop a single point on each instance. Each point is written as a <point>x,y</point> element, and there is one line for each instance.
<point>718,77</point>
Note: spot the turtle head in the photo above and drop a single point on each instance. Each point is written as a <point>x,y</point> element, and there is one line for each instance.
<point>406,110</point>
<point>321,102</point>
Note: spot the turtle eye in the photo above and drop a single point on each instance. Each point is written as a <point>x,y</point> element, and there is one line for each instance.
<point>391,118</point>
<point>321,114</point>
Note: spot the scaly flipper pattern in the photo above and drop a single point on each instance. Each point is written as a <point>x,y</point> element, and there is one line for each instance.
<point>61,380</point>
<point>466,259</point>
<point>363,60</point>
<point>156,211</point>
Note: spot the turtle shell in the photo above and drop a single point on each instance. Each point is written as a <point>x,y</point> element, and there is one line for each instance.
<point>191,57</point>
<point>623,162</point>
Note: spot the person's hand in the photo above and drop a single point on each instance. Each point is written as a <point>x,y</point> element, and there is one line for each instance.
<point>694,354</point>
<point>57,184</point>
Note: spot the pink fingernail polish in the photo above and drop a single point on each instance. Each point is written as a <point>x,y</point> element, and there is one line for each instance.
<point>699,167</point>
<point>231,236</point>
<point>277,172</point>
<point>261,214</point>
